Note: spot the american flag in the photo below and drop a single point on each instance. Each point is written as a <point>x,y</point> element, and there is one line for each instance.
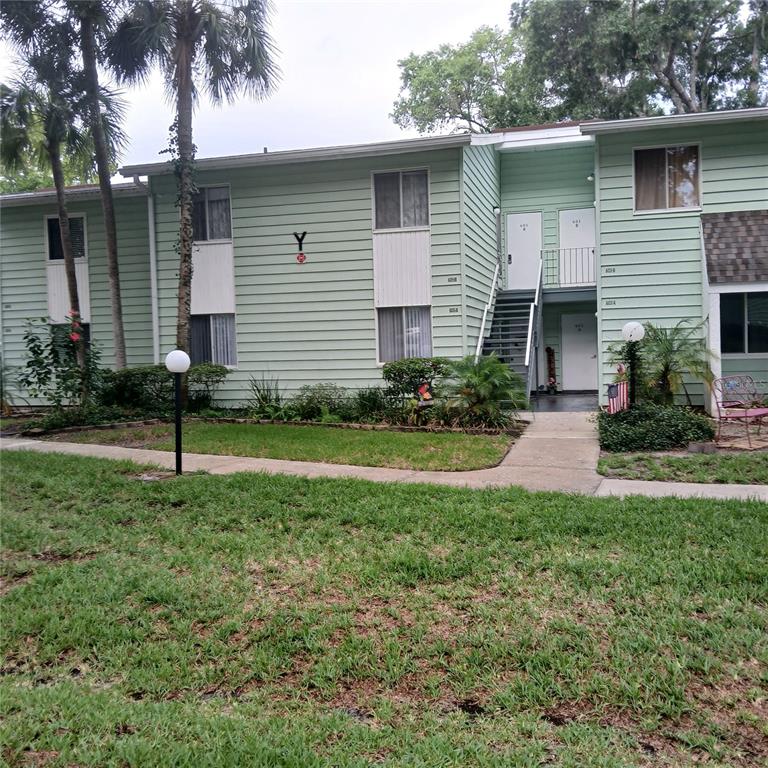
<point>618,397</point>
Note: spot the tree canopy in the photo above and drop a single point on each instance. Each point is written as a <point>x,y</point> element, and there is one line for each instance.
<point>591,58</point>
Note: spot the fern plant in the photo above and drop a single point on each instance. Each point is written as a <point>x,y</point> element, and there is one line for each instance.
<point>485,393</point>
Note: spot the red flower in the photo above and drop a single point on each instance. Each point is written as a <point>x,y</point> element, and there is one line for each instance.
<point>75,336</point>
<point>73,313</point>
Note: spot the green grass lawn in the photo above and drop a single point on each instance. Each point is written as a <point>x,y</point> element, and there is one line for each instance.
<point>370,448</point>
<point>278,621</point>
<point>749,468</point>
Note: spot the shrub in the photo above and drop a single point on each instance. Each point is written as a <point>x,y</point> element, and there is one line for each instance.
<point>650,427</point>
<point>146,388</point>
<point>81,416</point>
<point>483,393</point>
<point>51,370</point>
<point>371,404</point>
<point>203,380</point>
<point>404,377</point>
<point>314,400</point>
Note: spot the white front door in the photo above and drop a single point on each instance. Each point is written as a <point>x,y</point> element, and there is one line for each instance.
<point>523,250</point>
<point>579,351</point>
<point>577,246</point>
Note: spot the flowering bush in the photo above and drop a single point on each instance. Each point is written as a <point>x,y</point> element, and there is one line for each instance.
<point>51,370</point>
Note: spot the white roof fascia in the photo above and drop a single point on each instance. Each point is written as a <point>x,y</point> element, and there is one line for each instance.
<point>308,155</point>
<point>49,195</point>
<point>555,142</point>
<point>672,121</point>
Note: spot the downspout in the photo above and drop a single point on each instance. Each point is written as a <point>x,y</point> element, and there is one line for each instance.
<point>153,278</point>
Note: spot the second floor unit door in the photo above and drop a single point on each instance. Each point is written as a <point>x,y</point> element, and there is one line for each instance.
<point>523,251</point>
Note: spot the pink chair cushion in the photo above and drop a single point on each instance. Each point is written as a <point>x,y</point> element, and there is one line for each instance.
<point>741,413</point>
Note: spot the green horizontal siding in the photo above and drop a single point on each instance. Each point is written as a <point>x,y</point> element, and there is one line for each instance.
<point>23,276</point>
<point>480,196</point>
<point>651,264</point>
<point>754,366</point>
<point>315,321</point>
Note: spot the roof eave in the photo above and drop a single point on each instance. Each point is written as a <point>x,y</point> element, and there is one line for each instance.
<point>287,157</point>
<point>49,196</point>
<point>672,121</point>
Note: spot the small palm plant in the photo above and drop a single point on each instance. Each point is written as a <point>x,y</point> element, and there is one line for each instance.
<point>668,354</point>
<point>483,393</point>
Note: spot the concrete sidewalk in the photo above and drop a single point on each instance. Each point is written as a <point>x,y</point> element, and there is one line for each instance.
<point>557,452</point>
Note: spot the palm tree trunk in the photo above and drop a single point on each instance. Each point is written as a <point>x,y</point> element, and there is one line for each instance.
<point>88,44</point>
<point>184,87</point>
<point>54,155</point>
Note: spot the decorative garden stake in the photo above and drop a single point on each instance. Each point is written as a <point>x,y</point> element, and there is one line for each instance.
<point>633,333</point>
<point>300,257</point>
<point>177,362</point>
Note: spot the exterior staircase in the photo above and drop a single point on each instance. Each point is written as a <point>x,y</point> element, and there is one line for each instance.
<point>508,336</point>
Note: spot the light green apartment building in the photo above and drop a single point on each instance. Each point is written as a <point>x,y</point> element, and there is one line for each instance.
<point>538,243</point>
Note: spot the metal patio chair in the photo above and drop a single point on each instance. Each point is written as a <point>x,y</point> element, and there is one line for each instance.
<point>737,399</point>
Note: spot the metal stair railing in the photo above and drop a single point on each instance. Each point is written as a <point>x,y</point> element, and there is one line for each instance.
<point>532,342</point>
<point>491,299</point>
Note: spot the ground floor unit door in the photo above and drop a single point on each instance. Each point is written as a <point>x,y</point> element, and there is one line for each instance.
<point>579,351</point>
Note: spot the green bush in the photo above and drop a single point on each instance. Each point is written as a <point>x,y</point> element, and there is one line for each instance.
<point>148,389</point>
<point>371,404</point>
<point>82,416</point>
<point>650,427</point>
<point>485,393</point>
<point>313,401</point>
<point>404,377</point>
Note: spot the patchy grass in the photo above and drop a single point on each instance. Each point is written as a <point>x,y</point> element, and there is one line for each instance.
<point>278,621</point>
<point>13,424</point>
<point>750,468</point>
<point>369,448</point>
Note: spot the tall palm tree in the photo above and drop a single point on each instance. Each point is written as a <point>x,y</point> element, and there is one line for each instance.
<point>220,48</point>
<point>95,20</point>
<point>668,354</point>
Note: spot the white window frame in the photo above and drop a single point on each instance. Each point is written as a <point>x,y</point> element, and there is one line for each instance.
<point>74,215</point>
<point>673,211</point>
<point>381,363</point>
<point>719,290</point>
<point>401,171</point>
<point>234,321</point>
<point>201,188</point>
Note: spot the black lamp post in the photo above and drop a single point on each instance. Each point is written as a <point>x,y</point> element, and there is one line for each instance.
<point>633,334</point>
<point>177,362</point>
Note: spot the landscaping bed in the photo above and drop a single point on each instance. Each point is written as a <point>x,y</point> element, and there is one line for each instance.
<point>271,620</point>
<point>722,467</point>
<point>417,450</point>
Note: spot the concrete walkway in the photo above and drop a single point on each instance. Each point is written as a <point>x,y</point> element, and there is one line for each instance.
<point>557,452</point>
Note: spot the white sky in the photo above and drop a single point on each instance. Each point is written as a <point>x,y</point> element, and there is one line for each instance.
<point>339,77</point>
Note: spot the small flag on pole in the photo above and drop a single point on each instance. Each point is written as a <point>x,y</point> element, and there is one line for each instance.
<point>618,393</point>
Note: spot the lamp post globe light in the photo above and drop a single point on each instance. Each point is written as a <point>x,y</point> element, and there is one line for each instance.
<point>633,333</point>
<point>177,362</point>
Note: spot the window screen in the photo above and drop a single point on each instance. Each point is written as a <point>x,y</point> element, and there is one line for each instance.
<point>732,322</point>
<point>666,177</point>
<point>212,339</point>
<point>757,322</point>
<point>401,199</point>
<point>76,232</point>
<point>404,332</point>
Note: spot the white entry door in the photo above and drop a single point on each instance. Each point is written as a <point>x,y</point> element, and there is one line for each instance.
<point>579,351</point>
<point>577,246</point>
<point>523,250</point>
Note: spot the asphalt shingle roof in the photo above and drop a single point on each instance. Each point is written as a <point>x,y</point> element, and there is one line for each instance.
<point>736,246</point>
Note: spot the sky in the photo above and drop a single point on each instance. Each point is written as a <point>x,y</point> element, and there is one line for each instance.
<point>339,77</point>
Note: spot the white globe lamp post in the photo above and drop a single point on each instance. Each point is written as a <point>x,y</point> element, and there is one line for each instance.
<point>177,362</point>
<point>633,333</point>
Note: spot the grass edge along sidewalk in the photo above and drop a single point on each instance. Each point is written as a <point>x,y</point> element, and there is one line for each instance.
<point>278,620</point>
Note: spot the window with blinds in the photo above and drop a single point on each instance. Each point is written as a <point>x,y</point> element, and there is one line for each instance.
<point>213,340</point>
<point>76,232</point>
<point>211,216</point>
<point>666,178</point>
<point>401,199</point>
<point>404,332</point>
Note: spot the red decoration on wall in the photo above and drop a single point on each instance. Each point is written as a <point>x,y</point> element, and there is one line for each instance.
<point>301,258</point>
